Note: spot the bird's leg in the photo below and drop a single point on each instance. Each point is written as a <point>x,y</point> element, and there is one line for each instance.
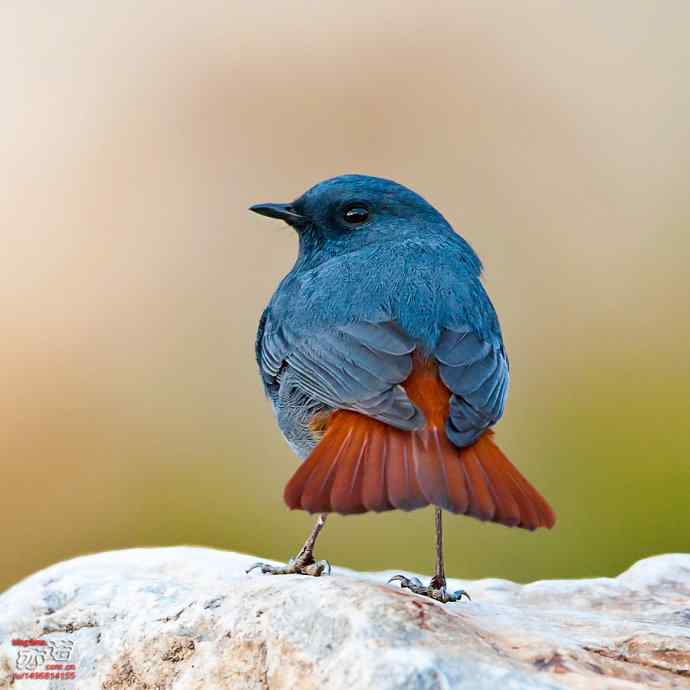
<point>438,581</point>
<point>303,563</point>
<point>437,587</point>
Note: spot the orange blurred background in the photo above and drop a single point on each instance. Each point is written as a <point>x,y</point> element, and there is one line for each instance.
<point>133,136</point>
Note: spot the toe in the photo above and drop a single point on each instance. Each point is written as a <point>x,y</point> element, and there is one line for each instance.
<point>399,578</point>
<point>325,567</point>
<point>314,569</point>
<point>459,594</point>
<point>255,566</point>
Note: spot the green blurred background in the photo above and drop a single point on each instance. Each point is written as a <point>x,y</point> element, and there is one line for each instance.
<point>133,136</point>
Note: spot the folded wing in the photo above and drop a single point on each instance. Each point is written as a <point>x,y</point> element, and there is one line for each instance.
<point>357,367</point>
<point>477,373</point>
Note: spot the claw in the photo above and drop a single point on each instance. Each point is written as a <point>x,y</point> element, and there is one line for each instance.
<point>265,567</point>
<point>414,584</point>
<point>408,582</point>
<point>294,567</point>
<point>459,594</point>
<point>398,578</point>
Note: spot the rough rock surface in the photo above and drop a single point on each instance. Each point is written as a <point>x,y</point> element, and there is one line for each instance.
<point>190,619</point>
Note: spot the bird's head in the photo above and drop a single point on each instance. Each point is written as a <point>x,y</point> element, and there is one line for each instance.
<point>351,211</point>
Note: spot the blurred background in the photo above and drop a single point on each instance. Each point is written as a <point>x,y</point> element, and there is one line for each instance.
<point>133,136</point>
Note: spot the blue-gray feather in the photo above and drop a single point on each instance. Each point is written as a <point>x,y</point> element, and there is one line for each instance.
<point>477,373</point>
<point>358,367</point>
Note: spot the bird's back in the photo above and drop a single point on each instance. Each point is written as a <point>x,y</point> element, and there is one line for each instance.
<point>424,284</point>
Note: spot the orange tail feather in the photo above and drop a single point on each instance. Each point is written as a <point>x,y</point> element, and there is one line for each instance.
<point>363,465</point>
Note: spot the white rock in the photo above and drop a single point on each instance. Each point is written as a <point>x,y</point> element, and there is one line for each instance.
<point>190,619</point>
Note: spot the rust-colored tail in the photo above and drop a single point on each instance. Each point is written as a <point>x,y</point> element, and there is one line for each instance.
<point>361,464</point>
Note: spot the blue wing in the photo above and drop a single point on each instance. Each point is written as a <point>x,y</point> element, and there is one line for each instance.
<point>477,373</point>
<point>355,367</point>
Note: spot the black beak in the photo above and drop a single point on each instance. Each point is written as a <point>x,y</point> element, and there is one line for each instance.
<point>282,211</point>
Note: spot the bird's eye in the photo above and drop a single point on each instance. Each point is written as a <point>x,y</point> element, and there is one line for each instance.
<point>355,214</point>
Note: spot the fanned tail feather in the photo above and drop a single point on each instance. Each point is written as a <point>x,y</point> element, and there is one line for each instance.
<point>363,465</point>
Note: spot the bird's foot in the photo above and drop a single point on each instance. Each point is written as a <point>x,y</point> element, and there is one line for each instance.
<point>301,565</point>
<point>436,590</point>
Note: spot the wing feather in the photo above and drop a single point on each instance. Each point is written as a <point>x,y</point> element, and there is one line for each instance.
<point>356,367</point>
<point>476,370</point>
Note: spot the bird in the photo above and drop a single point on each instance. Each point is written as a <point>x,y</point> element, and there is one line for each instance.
<point>383,358</point>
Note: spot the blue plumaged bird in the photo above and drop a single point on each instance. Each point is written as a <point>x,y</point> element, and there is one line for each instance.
<point>383,358</point>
